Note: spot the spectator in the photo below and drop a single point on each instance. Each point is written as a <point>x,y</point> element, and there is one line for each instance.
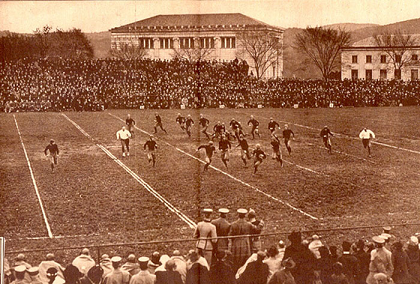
<point>206,234</point>
<point>34,274</point>
<point>117,276</point>
<point>221,272</point>
<point>413,253</point>
<point>21,260</point>
<point>154,262</point>
<point>84,261</point>
<point>144,276</point>
<point>20,272</point>
<point>314,246</point>
<point>72,275</point>
<point>283,275</point>
<point>94,275</point>
<point>256,272</point>
<point>338,277</point>
<point>259,224</point>
<point>180,264</point>
<point>380,261</point>
<point>169,275</point>
<point>106,264</point>
<point>401,262</point>
<point>222,230</point>
<point>364,260</point>
<point>131,266</point>
<point>197,273</point>
<point>350,263</point>
<point>47,263</point>
<point>273,261</point>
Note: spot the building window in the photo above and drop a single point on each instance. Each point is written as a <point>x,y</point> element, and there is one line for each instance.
<point>146,43</point>
<point>414,57</point>
<point>206,42</point>
<point>383,74</point>
<point>228,42</point>
<point>414,74</point>
<point>368,58</point>
<point>354,74</point>
<point>166,43</point>
<point>383,58</point>
<point>186,42</point>
<point>354,59</point>
<point>369,74</point>
<point>398,58</point>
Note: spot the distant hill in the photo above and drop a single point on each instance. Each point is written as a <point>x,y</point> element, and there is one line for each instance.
<point>101,43</point>
<point>350,27</point>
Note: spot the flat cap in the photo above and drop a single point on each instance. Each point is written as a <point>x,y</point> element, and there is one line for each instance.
<point>242,211</point>
<point>144,259</point>
<point>20,268</point>
<point>116,259</point>
<point>224,210</point>
<point>378,239</point>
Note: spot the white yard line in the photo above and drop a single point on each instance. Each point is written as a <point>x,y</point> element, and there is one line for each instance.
<point>229,175</point>
<point>172,208</point>
<point>50,235</point>
<point>344,153</point>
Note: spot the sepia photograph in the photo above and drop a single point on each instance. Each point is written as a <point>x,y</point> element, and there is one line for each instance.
<point>210,142</point>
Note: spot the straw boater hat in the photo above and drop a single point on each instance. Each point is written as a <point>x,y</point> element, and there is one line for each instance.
<point>144,259</point>
<point>116,259</point>
<point>242,211</point>
<point>224,210</point>
<point>378,239</point>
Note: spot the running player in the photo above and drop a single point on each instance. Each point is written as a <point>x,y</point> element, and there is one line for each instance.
<point>130,124</point>
<point>259,155</point>
<point>235,126</point>
<point>218,129</point>
<point>151,146</point>
<point>244,149</point>
<point>158,121</point>
<point>181,121</point>
<point>254,124</point>
<point>325,134</point>
<point>124,136</point>
<point>272,125</point>
<point>188,124</point>
<point>53,153</point>
<point>275,144</point>
<point>210,149</point>
<point>367,135</point>
<point>287,134</point>
<point>204,123</point>
<point>224,146</point>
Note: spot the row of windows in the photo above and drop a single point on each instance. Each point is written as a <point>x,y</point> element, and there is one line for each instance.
<point>383,74</point>
<point>414,57</point>
<point>185,42</point>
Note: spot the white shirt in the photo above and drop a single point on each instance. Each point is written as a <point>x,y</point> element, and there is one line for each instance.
<point>366,134</point>
<point>123,134</point>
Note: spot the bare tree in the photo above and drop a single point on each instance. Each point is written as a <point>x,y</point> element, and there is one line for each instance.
<point>397,46</point>
<point>322,46</point>
<point>263,47</point>
<point>193,54</point>
<point>129,51</point>
<point>43,40</point>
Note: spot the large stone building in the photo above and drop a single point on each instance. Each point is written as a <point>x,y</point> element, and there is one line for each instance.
<point>192,36</point>
<point>366,60</point>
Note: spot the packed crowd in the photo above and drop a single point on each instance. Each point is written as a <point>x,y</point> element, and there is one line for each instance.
<point>232,253</point>
<point>93,85</point>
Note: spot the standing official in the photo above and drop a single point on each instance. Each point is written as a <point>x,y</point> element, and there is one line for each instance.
<point>367,135</point>
<point>206,234</point>
<point>124,136</point>
<point>53,153</point>
<point>222,229</point>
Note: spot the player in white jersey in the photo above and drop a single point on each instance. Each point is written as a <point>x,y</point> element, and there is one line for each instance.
<point>367,135</point>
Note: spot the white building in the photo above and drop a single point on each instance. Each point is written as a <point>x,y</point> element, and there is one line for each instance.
<point>365,60</point>
<point>213,36</point>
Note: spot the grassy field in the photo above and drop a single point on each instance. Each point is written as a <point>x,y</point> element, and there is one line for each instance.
<point>91,199</point>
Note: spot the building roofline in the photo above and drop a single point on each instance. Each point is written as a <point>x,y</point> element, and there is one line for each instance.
<point>378,47</point>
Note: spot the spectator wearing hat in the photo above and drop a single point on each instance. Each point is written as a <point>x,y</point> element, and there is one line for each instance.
<point>259,224</point>
<point>364,260</point>
<point>413,253</point>
<point>34,274</point>
<point>117,276</point>
<point>273,261</point>
<point>47,263</point>
<point>338,276</point>
<point>206,234</point>
<point>106,264</point>
<point>314,246</point>
<point>94,275</point>
<point>154,262</point>
<point>169,275</point>
<point>221,272</point>
<point>201,260</point>
<point>72,275</point>
<point>20,272</point>
<point>197,272</point>
<point>283,274</point>
<point>163,259</point>
<point>380,261</point>
<point>84,261</point>
<point>302,256</point>
<point>382,278</point>
<point>21,260</point>
<point>350,263</point>
<point>240,247</point>
<point>241,269</point>
<point>144,276</point>
<point>222,230</point>
<point>401,262</point>
<point>180,264</point>
<point>256,272</point>
<point>131,266</point>
<point>324,265</point>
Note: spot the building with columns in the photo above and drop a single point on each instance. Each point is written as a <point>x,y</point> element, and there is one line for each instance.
<point>365,60</point>
<point>192,36</point>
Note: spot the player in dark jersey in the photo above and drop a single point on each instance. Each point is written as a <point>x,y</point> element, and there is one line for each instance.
<point>52,148</point>
<point>287,134</point>
<point>325,134</point>
<point>224,146</point>
<point>188,124</point>
<point>181,121</point>
<point>204,123</point>
<point>255,123</point>
<point>244,149</point>
<point>272,125</point>
<point>218,129</point>
<point>210,149</point>
<point>235,126</point>
<point>130,124</point>
<point>158,121</point>
<point>275,144</point>
<point>259,155</point>
<point>150,146</point>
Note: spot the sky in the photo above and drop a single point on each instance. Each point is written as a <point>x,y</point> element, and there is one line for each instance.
<point>98,16</point>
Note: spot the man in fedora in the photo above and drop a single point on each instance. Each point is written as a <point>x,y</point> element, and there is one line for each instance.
<point>206,234</point>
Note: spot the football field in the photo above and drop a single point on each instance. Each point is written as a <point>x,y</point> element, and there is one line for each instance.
<point>97,196</point>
